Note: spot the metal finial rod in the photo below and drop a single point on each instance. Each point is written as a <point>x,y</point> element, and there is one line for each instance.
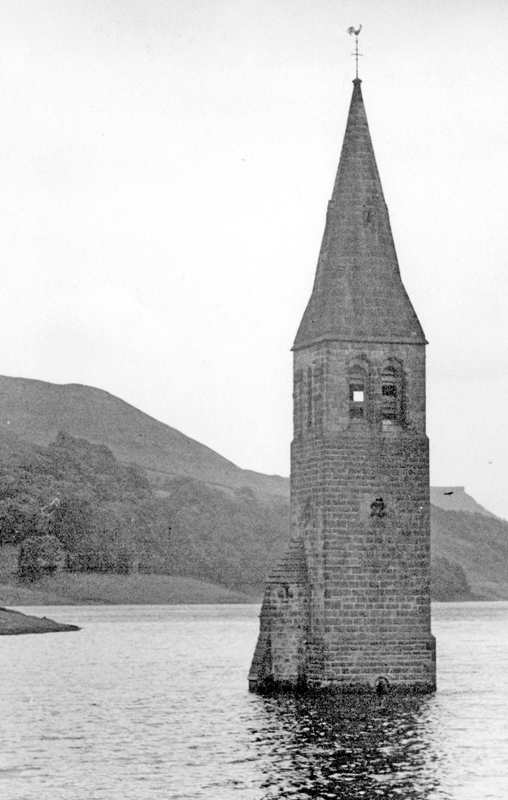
<point>356,32</point>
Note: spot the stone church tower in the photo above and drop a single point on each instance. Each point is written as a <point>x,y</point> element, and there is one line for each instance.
<point>349,605</point>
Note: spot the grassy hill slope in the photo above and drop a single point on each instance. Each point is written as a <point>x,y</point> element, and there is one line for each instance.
<point>91,588</point>
<point>36,411</point>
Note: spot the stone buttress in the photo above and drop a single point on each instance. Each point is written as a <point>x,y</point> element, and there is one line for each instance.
<point>349,605</point>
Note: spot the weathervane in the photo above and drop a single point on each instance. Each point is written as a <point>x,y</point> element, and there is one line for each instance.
<point>356,31</point>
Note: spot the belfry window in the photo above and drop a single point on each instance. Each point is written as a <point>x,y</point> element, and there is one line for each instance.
<point>356,394</point>
<point>390,395</point>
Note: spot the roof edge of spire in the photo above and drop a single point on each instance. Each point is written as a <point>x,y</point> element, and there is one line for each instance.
<point>358,293</point>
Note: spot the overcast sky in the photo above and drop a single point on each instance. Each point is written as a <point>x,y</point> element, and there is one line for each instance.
<point>165,167</point>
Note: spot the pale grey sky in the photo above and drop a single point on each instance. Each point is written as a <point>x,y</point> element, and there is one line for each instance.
<point>165,172</point>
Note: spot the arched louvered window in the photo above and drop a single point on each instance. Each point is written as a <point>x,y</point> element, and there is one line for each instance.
<point>391,395</point>
<point>357,392</point>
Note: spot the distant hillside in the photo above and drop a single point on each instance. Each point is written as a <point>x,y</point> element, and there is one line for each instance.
<point>198,516</point>
<point>455,498</point>
<point>36,411</point>
<point>478,544</point>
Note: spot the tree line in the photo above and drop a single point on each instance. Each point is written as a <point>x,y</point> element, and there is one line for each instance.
<point>67,533</point>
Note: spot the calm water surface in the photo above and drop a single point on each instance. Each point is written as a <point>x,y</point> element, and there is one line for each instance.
<point>150,702</point>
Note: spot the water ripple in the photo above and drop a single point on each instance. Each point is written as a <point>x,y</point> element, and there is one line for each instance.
<point>151,703</point>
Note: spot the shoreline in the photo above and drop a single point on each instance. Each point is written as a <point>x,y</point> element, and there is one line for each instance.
<point>15,623</point>
<point>76,589</point>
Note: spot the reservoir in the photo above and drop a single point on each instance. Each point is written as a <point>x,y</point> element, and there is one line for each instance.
<point>151,702</point>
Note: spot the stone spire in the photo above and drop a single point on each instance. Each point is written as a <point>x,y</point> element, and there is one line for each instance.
<point>358,294</point>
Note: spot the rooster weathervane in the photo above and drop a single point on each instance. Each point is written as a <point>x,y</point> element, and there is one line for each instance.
<point>355,32</point>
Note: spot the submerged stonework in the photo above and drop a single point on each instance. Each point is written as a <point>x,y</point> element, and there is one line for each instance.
<point>349,606</point>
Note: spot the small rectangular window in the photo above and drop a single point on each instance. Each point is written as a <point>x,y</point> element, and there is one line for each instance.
<point>389,390</point>
<point>356,392</point>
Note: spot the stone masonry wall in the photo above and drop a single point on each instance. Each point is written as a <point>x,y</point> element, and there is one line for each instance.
<point>360,502</point>
<point>321,387</point>
<point>368,568</point>
<point>281,653</point>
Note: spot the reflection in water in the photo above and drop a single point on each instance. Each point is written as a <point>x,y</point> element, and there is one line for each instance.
<point>354,746</point>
